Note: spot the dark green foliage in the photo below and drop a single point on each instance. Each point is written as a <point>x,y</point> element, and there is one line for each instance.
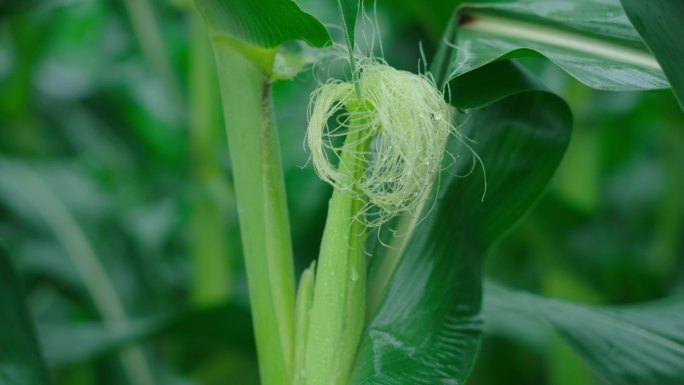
<point>20,359</point>
<point>632,345</point>
<point>659,25</point>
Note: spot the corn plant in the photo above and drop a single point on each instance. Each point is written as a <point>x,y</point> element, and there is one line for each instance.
<point>429,171</point>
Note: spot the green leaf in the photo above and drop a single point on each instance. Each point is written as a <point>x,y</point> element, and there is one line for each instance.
<point>495,81</point>
<point>427,327</point>
<point>660,26</point>
<point>631,345</point>
<point>592,40</point>
<point>20,360</point>
<point>263,23</point>
<point>257,27</point>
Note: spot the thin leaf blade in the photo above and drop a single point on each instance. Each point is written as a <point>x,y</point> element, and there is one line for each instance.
<point>349,9</point>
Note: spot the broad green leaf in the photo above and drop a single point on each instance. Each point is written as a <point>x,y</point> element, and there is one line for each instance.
<point>264,23</point>
<point>495,81</point>
<point>20,360</point>
<point>427,327</point>
<point>630,345</point>
<point>257,27</point>
<point>660,25</point>
<point>592,40</point>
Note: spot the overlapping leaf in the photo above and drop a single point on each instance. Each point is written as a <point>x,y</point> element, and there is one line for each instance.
<point>632,345</point>
<point>427,328</point>
<point>592,40</point>
<point>660,26</point>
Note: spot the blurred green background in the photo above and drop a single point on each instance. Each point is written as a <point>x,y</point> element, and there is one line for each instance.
<point>116,200</point>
